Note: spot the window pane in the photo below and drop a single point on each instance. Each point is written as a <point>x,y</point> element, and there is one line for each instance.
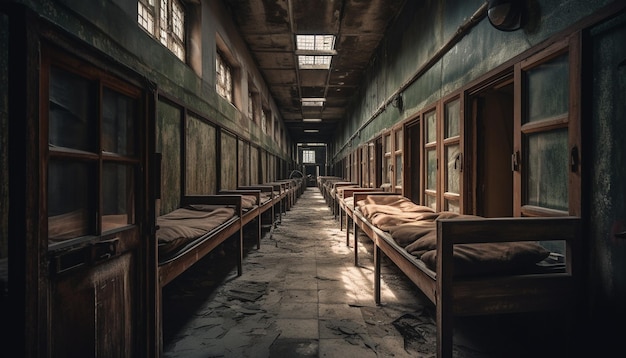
<point>453,116</point>
<point>453,206</point>
<point>431,127</point>
<point>386,170</point>
<point>431,202</point>
<point>431,170</point>
<point>118,118</point>
<point>453,172</point>
<point>71,208</point>
<point>118,199</point>
<point>398,135</point>
<point>308,156</point>
<point>547,89</point>
<point>398,170</point>
<point>387,144</point>
<point>72,111</point>
<point>547,163</point>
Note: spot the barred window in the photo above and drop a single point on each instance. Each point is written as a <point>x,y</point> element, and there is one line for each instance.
<point>224,78</point>
<point>308,156</point>
<point>164,21</point>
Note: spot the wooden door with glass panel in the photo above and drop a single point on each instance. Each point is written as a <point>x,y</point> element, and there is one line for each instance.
<point>92,155</point>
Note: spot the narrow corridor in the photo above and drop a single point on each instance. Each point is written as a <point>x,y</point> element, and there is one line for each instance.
<point>301,296</point>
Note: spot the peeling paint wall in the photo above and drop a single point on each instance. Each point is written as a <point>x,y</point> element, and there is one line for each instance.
<point>607,174</point>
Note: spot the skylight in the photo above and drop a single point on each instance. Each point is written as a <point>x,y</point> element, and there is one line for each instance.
<point>313,102</point>
<point>315,51</point>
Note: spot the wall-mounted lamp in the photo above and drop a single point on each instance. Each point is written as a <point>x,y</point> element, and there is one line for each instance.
<point>506,15</point>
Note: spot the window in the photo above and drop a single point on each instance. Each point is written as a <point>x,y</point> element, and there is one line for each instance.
<point>430,160</point>
<point>397,152</point>
<point>264,121</point>
<point>452,156</point>
<point>224,78</point>
<point>546,141</point>
<point>164,20</point>
<point>252,107</point>
<point>315,51</point>
<point>308,156</point>
<point>93,152</point>
<point>387,159</point>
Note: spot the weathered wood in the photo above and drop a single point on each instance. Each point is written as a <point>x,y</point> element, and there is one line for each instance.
<point>482,295</point>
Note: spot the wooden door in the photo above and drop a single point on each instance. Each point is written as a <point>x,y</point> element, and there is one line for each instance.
<point>92,156</point>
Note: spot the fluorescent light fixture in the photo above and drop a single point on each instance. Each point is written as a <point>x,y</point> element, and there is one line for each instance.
<point>313,102</point>
<point>311,119</point>
<point>311,131</point>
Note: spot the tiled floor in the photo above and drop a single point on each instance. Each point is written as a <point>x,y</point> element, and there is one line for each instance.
<point>301,296</point>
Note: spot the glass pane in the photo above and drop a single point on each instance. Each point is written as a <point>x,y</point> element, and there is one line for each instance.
<point>71,208</point>
<point>431,127</point>
<point>431,170</point>
<point>398,135</point>
<point>548,164</point>
<point>431,202</point>
<point>118,198</point>
<point>387,144</point>
<point>453,118</point>
<point>72,122</point>
<point>453,206</point>
<point>398,170</point>
<point>118,123</point>
<point>386,171</point>
<point>548,89</point>
<point>453,173</point>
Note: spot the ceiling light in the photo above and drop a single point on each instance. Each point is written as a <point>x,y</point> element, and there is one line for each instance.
<point>311,119</point>
<point>311,131</point>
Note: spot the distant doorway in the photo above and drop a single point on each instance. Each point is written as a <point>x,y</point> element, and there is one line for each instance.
<point>492,115</point>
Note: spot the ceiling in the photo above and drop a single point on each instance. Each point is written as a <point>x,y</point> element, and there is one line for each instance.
<point>269,28</point>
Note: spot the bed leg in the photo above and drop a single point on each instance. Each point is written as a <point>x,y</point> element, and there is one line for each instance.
<point>347,231</point>
<point>356,243</point>
<point>445,326</point>
<point>377,259</point>
<point>240,254</point>
<point>340,220</point>
<point>259,232</point>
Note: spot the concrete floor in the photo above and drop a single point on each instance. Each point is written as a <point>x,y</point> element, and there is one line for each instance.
<point>300,295</point>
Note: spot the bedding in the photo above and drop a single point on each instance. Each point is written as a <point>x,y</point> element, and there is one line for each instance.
<point>182,226</point>
<point>414,228</point>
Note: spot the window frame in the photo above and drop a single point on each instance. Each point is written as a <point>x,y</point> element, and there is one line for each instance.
<point>97,158</point>
<point>569,121</point>
<point>165,33</point>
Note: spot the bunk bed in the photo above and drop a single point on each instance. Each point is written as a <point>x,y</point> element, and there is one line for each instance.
<point>469,265</point>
